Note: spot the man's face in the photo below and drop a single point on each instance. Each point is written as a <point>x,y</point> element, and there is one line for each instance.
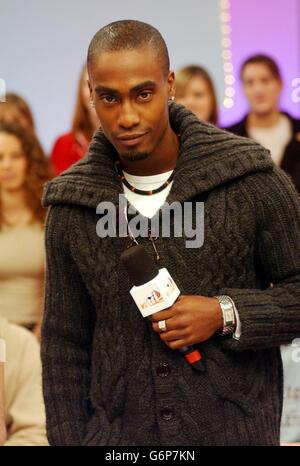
<point>131,92</point>
<point>261,88</point>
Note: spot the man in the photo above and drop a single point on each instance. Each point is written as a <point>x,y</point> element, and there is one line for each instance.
<point>266,123</point>
<point>112,377</point>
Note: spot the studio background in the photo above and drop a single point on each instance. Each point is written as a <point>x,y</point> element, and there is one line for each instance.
<point>44,44</point>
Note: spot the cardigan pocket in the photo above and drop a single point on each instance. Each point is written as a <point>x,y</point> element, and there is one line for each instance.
<point>102,432</point>
<point>236,377</point>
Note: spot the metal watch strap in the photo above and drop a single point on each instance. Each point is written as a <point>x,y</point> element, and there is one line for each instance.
<point>227,307</point>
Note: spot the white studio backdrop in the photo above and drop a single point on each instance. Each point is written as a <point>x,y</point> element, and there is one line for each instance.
<point>44,44</point>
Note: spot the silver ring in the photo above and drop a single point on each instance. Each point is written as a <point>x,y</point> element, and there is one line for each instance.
<point>162,325</point>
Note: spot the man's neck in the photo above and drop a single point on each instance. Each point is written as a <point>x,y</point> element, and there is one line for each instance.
<point>163,158</point>
<point>263,121</point>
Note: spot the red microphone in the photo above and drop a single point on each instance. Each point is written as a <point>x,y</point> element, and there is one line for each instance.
<point>155,290</point>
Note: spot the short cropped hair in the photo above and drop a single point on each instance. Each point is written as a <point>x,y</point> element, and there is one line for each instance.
<point>129,35</point>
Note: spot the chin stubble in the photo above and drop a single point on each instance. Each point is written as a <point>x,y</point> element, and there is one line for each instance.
<point>134,157</point>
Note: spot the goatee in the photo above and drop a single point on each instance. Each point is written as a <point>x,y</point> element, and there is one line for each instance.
<point>134,157</point>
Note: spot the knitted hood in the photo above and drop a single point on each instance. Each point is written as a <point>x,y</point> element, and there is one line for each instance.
<point>209,157</point>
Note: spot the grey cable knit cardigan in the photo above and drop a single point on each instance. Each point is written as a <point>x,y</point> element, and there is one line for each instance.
<point>107,377</point>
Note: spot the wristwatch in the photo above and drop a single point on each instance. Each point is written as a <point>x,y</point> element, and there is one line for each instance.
<point>227,307</point>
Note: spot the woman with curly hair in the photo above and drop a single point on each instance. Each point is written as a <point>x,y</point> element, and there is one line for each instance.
<point>23,171</point>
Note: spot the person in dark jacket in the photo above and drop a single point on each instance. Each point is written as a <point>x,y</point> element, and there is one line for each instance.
<point>112,377</point>
<point>266,123</point>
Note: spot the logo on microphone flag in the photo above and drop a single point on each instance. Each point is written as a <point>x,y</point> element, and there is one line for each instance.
<point>151,300</point>
<point>156,295</point>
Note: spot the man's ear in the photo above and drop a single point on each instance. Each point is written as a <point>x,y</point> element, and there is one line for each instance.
<point>90,89</point>
<point>91,94</point>
<point>171,84</point>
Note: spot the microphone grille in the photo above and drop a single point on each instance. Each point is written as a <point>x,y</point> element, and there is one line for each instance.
<point>139,265</point>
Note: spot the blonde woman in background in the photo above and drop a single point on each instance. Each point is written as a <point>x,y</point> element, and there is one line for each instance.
<point>23,171</point>
<point>195,90</point>
<point>72,146</point>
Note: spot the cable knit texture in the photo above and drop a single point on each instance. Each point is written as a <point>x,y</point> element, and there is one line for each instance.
<point>100,357</point>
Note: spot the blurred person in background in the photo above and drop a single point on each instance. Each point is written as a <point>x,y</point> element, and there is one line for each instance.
<point>16,110</point>
<point>280,133</point>
<point>290,420</point>
<point>266,123</point>
<point>195,90</point>
<point>2,415</point>
<point>23,410</point>
<point>23,171</point>
<point>72,146</point>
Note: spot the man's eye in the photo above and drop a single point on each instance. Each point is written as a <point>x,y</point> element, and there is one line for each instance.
<point>145,95</point>
<point>108,99</point>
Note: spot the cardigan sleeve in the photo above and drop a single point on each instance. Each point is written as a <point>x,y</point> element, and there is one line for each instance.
<point>271,317</point>
<point>66,337</point>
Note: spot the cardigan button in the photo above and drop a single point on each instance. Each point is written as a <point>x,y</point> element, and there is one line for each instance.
<point>163,370</point>
<point>167,414</point>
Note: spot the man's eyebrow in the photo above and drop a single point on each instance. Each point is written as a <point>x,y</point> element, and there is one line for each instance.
<point>146,84</point>
<point>109,90</point>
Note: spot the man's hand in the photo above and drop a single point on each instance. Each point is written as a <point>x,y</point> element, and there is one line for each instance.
<point>191,319</point>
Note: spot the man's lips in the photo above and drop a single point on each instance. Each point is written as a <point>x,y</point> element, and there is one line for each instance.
<point>131,139</point>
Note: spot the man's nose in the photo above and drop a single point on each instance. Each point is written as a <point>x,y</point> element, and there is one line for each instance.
<point>129,116</point>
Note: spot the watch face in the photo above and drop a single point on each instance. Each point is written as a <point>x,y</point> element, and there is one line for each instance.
<point>228,317</point>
